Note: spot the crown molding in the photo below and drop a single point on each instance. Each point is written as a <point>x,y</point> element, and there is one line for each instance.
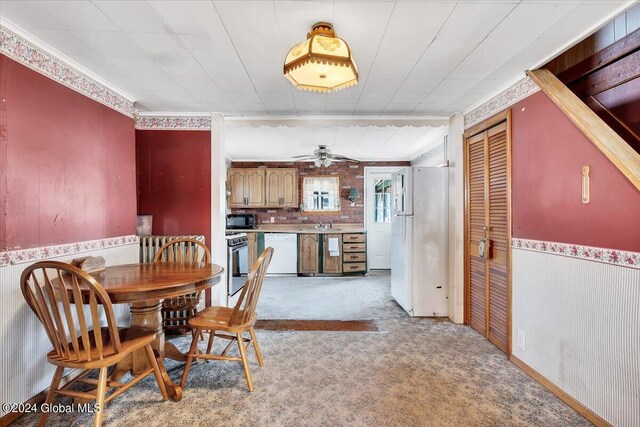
<point>523,88</point>
<point>172,121</point>
<point>337,118</point>
<point>20,46</point>
<point>172,113</point>
<point>339,121</point>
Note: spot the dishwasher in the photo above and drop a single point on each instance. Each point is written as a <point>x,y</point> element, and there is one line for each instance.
<point>285,253</point>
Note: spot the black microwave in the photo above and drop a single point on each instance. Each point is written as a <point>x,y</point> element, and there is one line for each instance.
<point>241,221</point>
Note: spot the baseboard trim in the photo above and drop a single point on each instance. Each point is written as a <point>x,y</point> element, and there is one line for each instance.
<point>563,395</point>
<point>39,398</point>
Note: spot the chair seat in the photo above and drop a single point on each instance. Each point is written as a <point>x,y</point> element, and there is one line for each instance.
<point>131,339</point>
<point>217,318</point>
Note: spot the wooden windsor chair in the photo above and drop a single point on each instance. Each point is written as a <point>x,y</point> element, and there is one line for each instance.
<point>181,250</point>
<point>235,321</point>
<point>58,294</point>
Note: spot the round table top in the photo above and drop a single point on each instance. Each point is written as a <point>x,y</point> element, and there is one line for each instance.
<point>130,283</point>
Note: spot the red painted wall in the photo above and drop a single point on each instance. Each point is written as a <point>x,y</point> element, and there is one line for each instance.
<point>68,164</point>
<point>350,176</point>
<point>548,152</point>
<point>174,180</point>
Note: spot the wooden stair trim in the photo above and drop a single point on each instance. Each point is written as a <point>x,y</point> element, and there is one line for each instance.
<point>616,149</point>
<point>610,54</point>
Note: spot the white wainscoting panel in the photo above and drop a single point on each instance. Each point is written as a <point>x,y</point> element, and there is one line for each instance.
<point>581,321</point>
<point>24,370</point>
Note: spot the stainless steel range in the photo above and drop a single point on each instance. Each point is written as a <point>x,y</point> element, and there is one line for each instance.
<point>237,264</point>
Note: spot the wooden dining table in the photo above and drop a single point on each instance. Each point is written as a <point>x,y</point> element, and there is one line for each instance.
<point>143,287</point>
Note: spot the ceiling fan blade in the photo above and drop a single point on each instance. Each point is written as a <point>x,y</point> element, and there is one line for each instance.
<point>340,158</point>
<point>304,156</point>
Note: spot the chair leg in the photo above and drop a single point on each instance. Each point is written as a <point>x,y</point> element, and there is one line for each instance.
<point>192,352</point>
<point>100,394</point>
<point>256,346</point>
<point>200,332</point>
<point>51,394</point>
<point>245,362</point>
<point>156,371</point>
<point>212,335</point>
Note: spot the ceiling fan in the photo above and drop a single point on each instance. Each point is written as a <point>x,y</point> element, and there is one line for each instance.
<point>322,157</point>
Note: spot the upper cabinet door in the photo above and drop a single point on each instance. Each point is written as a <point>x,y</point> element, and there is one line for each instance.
<point>236,184</point>
<point>289,188</point>
<point>274,179</point>
<point>262,188</point>
<point>254,187</point>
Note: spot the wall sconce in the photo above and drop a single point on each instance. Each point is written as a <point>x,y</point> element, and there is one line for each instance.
<point>353,195</point>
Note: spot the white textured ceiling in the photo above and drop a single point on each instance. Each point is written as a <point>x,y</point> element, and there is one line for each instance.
<point>358,142</point>
<point>415,57</point>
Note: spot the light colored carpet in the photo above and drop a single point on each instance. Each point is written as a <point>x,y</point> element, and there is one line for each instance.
<point>417,372</point>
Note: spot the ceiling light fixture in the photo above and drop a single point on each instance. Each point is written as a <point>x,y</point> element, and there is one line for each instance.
<point>322,63</point>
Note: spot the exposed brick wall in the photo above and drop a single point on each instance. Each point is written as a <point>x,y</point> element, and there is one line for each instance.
<point>350,176</point>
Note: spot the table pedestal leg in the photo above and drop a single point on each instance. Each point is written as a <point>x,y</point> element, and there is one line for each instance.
<point>148,315</point>
<point>172,352</point>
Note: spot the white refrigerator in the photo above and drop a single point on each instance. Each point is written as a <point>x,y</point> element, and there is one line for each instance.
<point>419,240</point>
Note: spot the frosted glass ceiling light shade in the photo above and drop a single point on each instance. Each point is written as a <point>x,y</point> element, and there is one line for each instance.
<point>318,163</point>
<point>322,63</point>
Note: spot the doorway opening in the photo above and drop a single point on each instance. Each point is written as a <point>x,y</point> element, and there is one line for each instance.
<point>378,215</point>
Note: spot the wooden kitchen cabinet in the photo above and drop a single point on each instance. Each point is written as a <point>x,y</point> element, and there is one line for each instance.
<point>246,188</point>
<point>331,264</point>
<point>282,187</point>
<point>314,256</point>
<point>262,188</point>
<point>308,253</point>
<point>354,256</point>
<point>236,182</point>
<point>252,239</point>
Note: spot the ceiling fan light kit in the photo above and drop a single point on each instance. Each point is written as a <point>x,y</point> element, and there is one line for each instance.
<point>322,63</point>
<point>322,156</point>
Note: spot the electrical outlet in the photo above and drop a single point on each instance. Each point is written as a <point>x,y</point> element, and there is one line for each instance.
<point>273,219</point>
<point>521,340</point>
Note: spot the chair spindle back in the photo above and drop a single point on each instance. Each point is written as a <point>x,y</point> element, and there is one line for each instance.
<point>183,250</point>
<point>245,308</point>
<point>53,291</point>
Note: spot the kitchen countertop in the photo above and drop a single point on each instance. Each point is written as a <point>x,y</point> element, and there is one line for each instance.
<point>303,228</point>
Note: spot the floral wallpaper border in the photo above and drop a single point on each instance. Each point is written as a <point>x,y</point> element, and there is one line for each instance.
<point>36,58</point>
<point>607,256</point>
<point>520,90</point>
<point>36,254</point>
<point>175,122</point>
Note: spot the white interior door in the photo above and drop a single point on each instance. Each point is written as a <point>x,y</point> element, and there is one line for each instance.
<point>379,212</point>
